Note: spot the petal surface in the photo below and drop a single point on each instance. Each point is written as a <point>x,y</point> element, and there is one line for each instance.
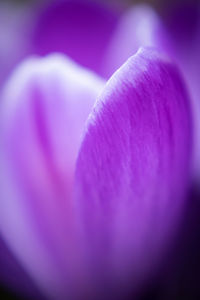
<point>43,110</point>
<point>80,29</point>
<point>132,171</point>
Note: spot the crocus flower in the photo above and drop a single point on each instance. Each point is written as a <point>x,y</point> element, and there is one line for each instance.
<point>94,175</point>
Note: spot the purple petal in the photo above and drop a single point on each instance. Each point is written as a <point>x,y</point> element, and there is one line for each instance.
<point>80,29</point>
<point>183,25</point>
<point>139,26</point>
<point>178,34</point>
<point>43,111</point>
<point>133,170</point>
<point>15,23</point>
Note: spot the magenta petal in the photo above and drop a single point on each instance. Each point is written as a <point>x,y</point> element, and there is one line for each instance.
<point>133,169</point>
<point>43,110</point>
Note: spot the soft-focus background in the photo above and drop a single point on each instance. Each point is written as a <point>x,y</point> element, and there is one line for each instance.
<point>180,278</point>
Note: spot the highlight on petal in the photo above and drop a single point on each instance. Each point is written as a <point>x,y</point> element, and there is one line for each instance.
<point>132,172</point>
<point>80,29</point>
<point>43,110</point>
<point>139,26</point>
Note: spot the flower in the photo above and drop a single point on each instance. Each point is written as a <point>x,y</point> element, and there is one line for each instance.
<point>121,34</point>
<point>177,34</point>
<point>94,174</point>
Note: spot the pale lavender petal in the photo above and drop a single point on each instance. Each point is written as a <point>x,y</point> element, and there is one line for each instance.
<point>80,29</point>
<point>43,110</point>
<point>132,171</point>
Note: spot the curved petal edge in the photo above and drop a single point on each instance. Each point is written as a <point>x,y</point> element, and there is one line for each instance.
<point>133,171</point>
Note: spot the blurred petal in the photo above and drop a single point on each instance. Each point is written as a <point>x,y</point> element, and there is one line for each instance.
<point>43,111</point>
<point>183,25</point>
<point>15,23</point>
<point>139,26</point>
<point>81,29</point>
<point>133,169</point>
